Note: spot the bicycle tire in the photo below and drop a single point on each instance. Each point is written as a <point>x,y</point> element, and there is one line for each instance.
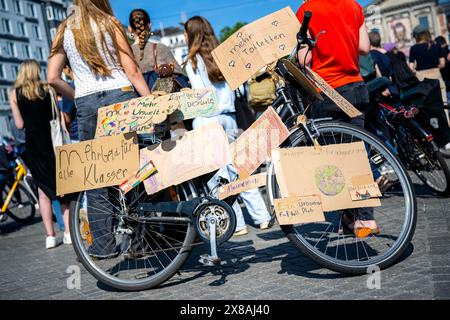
<point>297,136</point>
<point>443,164</point>
<point>129,285</point>
<point>24,194</point>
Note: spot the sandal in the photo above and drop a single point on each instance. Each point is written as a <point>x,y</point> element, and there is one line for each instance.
<point>350,225</point>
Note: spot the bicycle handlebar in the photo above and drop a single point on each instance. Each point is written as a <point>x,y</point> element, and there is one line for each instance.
<point>302,35</point>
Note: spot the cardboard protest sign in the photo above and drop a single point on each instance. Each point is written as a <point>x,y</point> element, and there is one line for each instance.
<point>197,153</point>
<point>142,115</point>
<point>331,93</point>
<point>363,188</point>
<point>257,44</point>
<point>133,181</point>
<point>326,171</point>
<point>255,145</point>
<point>242,185</point>
<point>95,164</point>
<point>299,210</point>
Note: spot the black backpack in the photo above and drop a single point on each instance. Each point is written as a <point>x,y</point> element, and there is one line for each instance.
<point>402,75</point>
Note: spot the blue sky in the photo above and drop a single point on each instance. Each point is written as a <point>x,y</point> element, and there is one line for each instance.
<point>221,13</point>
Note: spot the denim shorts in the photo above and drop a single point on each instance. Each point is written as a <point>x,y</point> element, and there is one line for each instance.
<point>87,108</point>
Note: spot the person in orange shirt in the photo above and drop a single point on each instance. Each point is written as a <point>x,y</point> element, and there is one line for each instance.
<point>336,59</point>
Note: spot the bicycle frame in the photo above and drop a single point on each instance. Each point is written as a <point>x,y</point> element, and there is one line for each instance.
<point>20,173</point>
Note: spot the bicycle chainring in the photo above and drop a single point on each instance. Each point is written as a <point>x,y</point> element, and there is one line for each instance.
<point>226,220</point>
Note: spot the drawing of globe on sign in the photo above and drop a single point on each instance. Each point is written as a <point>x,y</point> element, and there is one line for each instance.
<point>330,180</point>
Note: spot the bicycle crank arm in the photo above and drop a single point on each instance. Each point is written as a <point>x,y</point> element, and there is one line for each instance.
<point>211,259</point>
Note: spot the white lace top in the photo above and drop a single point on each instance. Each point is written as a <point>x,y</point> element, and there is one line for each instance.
<point>85,81</point>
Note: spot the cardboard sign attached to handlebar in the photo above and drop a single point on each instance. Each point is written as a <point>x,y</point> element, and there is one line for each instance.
<point>329,171</point>
<point>256,45</point>
<point>144,114</point>
<point>196,153</point>
<point>331,93</point>
<point>94,164</point>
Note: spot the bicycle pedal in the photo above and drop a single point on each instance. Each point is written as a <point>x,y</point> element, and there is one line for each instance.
<point>209,261</point>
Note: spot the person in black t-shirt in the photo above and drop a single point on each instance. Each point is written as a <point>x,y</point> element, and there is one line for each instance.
<point>445,72</point>
<point>426,58</point>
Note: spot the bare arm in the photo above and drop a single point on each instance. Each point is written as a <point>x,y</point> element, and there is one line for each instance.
<point>18,120</point>
<point>364,42</point>
<point>441,63</point>
<point>130,66</point>
<point>305,55</point>
<point>56,65</point>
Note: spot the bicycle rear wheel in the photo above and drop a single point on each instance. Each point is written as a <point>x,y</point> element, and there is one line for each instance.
<point>433,171</point>
<point>396,218</point>
<point>154,257</point>
<point>21,207</point>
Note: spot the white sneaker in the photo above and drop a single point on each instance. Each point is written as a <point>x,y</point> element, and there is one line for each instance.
<point>67,239</point>
<point>50,242</point>
<point>447,147</point>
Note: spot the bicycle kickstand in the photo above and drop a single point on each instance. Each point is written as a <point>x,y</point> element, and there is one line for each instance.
<point>211,259</point>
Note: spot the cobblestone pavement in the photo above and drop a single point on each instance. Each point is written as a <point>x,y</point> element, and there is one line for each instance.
<point>262,265</point>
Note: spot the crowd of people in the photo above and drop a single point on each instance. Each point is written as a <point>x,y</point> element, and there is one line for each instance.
<point>92,65</point>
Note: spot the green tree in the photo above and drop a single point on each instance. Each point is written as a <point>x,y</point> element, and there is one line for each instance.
<point>226,32</point>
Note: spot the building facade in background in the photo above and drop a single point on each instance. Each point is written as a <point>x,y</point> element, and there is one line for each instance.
<point>27,28</point>
<point>173,37</point>
<point>396,19</point>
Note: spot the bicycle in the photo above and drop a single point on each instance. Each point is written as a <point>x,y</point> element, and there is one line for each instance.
<point>18,199</point>
<point>415,146</point>
<point>170,227</point>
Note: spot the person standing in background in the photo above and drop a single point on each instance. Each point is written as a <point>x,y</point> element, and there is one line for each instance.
<point>445,72</point>
<point>427,58</point>
<point>203,72</point>
<point>145,51</point>
<point>31,104</point>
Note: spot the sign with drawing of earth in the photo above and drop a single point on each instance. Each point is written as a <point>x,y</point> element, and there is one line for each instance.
<point>330,180</point>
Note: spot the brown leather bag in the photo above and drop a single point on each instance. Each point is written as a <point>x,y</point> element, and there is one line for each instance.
<point>166,81</point>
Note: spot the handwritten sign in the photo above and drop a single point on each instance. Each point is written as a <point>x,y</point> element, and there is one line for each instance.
<point>299,210</point>
<point>133,181</point>
<point>326,171</point>
<point>143,115</point>
<point>95,164</point>
<point>242,185</point>
<point>365,192</point>
<point>197,153</point>
<point>331,93</point>
<point>256,45</point>
<point>255,145</point>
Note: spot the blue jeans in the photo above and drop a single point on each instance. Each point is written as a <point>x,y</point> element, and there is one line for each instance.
<point>252,198</point>
<point>100,202</point>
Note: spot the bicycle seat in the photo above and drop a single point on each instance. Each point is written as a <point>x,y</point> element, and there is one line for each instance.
<point>377,86</point>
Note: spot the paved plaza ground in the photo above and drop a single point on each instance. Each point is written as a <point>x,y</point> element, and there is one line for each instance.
<point>261,265</point>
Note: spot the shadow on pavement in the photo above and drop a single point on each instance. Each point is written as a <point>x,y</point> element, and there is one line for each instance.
<point>11,226</point>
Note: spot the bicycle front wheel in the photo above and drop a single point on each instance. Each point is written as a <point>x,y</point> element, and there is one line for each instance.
<point>344,252</point>
<point>21,207</point>
<point>147,256</point>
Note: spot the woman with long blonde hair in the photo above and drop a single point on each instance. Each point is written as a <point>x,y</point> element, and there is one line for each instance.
<point>204,72</point>
<point>32,110</point>
<point>105,72</point>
